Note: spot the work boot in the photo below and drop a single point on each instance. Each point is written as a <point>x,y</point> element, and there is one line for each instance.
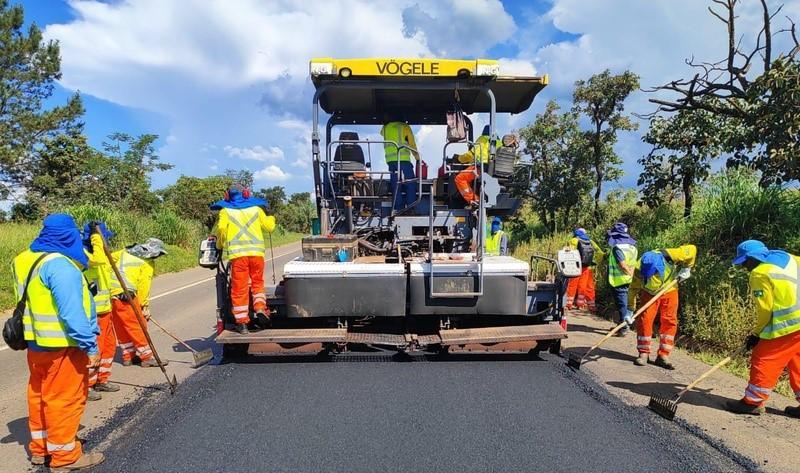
<point>664,362</point>
<point>152,363</point>
<point>37,460</point>
<point>242,328</point>
<point>94,395</point>
<point>623,331</point>
<point>740,407</point>
<point>127,362</point>
<point>792,411</point>
<point>263,320</point>
<point>106,387</point>
<point>86,461</point>
<point>642,360</point>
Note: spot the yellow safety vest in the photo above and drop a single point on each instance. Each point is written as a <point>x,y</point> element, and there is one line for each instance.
<point>481,148</point>
<point>616,276</point>
<point>656,281</point>
<point>244,234</point>
<point>493,243</point>
<point>40,320</point>
<point>129,266</point>
<point>101,277</point>
<point>785,299</point>
<point>394,132</point>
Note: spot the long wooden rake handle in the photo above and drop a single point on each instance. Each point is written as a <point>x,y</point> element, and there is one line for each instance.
<point>172,336</point>
<point>641,310</point>
<point>710,371</point>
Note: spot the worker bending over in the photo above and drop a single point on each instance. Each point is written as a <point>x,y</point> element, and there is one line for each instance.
<point>465,179</point>
<point>397,158</point>
<point>99,275</point>
<point>135,265</point>
<point>654,271</point>
<point>497,241</point>
<point>775,340</point>
<point>581,290</point>
<point>60,326</point>
<point>621,265</point>
<point>240,232</point>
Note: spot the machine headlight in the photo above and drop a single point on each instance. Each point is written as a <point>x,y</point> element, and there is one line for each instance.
<point>321,68</point>
<point>487,70</point>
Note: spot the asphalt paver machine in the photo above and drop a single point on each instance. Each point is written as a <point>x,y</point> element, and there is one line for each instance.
<point>417,277</point>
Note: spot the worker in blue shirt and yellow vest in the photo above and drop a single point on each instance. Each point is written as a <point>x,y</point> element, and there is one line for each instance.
<point>240,232</point>
<point>99,275</point>
<point>60,326</point>
<point>775,339</point>
<point>655,270</point>
<point>399,160</point>
<point>621,266</point>
<point>497,241</point>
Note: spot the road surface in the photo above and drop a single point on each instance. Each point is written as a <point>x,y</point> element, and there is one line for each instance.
<point>357,412</point>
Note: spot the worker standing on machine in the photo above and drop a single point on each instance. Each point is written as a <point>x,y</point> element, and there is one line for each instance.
<point>655,270</point>
<point>400,158</point>
<point>465,179</point>
<point>99,274</point>
<point>775,340</point>
<point>240,232</point>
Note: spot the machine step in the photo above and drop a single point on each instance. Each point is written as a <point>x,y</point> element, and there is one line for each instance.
<point>501,334</point>
<point>305,335</point>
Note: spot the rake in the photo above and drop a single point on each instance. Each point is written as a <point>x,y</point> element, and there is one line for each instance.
<point>575,361</point>
<point>667,407</point>
<point>200,357</point>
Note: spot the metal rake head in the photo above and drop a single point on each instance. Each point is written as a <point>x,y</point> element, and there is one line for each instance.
<point>663,406</point>
<point>574,362</point>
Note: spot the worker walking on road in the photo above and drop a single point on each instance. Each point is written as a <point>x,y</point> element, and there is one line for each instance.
<point>775,340</point>
<point>99,275</point>
<point>581,290</point>
<point>497,241</point>
<point>399,159</point>
<point>135,264</point>
<point>240,231</point>
<point>655,270</point>
<point>60,326</point>
<point>621,265</point>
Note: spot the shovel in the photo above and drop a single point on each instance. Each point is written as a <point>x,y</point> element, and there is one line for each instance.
<point>667,407</point>
<point>200,357</point>
<point>575,361</point>
<point>173,383</point>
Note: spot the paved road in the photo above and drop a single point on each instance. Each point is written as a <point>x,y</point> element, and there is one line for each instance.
<point>183,302</point>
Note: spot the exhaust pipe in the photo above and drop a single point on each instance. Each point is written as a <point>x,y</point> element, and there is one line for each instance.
<point>348,213</point>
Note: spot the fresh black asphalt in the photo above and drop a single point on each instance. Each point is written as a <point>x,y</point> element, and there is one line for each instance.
<point>373,413</point>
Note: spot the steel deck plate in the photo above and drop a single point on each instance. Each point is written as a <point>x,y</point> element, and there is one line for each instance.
<point>377,338</point>
<point>502,334</point>
<point>307,335</point>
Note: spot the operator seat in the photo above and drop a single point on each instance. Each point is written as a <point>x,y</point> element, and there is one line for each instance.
<point>348,160</point>
<point>353,153</point>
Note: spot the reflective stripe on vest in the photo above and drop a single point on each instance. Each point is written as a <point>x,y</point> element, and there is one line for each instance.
<point>127,263</point>
<point>785,300</point>
<point>493,243</point>
<point>481,148</point>
<point>393,131</point>
<point>102,299</point>
<point>244,236</point>
<point>616,276</point>
<point>40,320</point>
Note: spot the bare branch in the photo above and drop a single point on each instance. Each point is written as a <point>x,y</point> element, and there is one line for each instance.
<point>768,36</point>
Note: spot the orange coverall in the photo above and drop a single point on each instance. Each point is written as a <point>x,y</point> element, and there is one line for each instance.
<point>581,290</point>
<point>107,340</point>
<point>130,335</point>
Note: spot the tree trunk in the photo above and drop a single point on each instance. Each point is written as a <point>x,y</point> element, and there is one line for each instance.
<point>686,184</point>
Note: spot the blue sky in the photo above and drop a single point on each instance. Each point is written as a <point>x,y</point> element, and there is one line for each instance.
<point>224,83</point>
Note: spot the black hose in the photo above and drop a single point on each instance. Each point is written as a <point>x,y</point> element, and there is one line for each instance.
<point>371,247</point>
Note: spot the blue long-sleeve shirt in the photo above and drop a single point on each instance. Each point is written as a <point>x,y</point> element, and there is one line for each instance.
<point>66,284</point>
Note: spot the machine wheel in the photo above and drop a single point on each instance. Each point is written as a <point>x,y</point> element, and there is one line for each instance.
<point>232,352</point>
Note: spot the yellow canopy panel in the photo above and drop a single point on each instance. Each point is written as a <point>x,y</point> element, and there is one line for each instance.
<point>403,67</point>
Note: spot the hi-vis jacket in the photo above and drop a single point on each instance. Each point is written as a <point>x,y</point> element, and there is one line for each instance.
<point>775,291</point>
<point>99,272</point>
<point>674,259</point>
<point>241,231</point>
<point>138,274</point>
<point>400,133</point>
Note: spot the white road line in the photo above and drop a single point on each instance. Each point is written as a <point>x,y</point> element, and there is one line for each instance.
<point>5,347</point>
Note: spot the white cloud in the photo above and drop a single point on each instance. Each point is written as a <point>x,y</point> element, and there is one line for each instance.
<point>271,173</point>
<point>517,67</point>
<point>256,153</point>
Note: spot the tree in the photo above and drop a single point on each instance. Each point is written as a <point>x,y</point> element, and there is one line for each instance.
<point>298,213</point>
<point>190,197</point>
<point>684,146</point>
<point>28,73</point>
<point>243,177</point>
<point>275,197</point>
<point>753,87</point>
<point>602,100</point>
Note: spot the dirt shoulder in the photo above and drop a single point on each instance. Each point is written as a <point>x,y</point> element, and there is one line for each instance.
<point>770,440</point>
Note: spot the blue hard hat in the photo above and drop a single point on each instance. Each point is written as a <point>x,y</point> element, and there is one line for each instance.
<point>750,249</point>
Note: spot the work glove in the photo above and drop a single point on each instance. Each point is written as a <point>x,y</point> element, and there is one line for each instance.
<point>146,312</point>
<point>127,296</point>
<point>751,341</point>
<point>94,360</point>
<point>684,274</point>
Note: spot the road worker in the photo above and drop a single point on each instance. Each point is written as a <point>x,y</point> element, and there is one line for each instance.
<point>99,275</point>
<point>655,270</point>
<point>240,232</point>
<point>621,265</point>
<point>465,179</point>
<point>399,160</point>
<point>60,326</point>
<point>497,240</point>
<point>775,339</point>
<point>581,290</point>
<point>136,265</point>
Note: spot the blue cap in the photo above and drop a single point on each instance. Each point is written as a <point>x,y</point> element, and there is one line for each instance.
<point>652,263</point>
<point>751,249</point>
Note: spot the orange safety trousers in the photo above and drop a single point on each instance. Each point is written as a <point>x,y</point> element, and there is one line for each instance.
<point>107,343</point>
<point>463,182</point>
<point>247,272</point>
<point>129,333</point>
<point>767,363</point>
<point>667,307</point>
<point>57,391</point>
<point>580,290</point>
